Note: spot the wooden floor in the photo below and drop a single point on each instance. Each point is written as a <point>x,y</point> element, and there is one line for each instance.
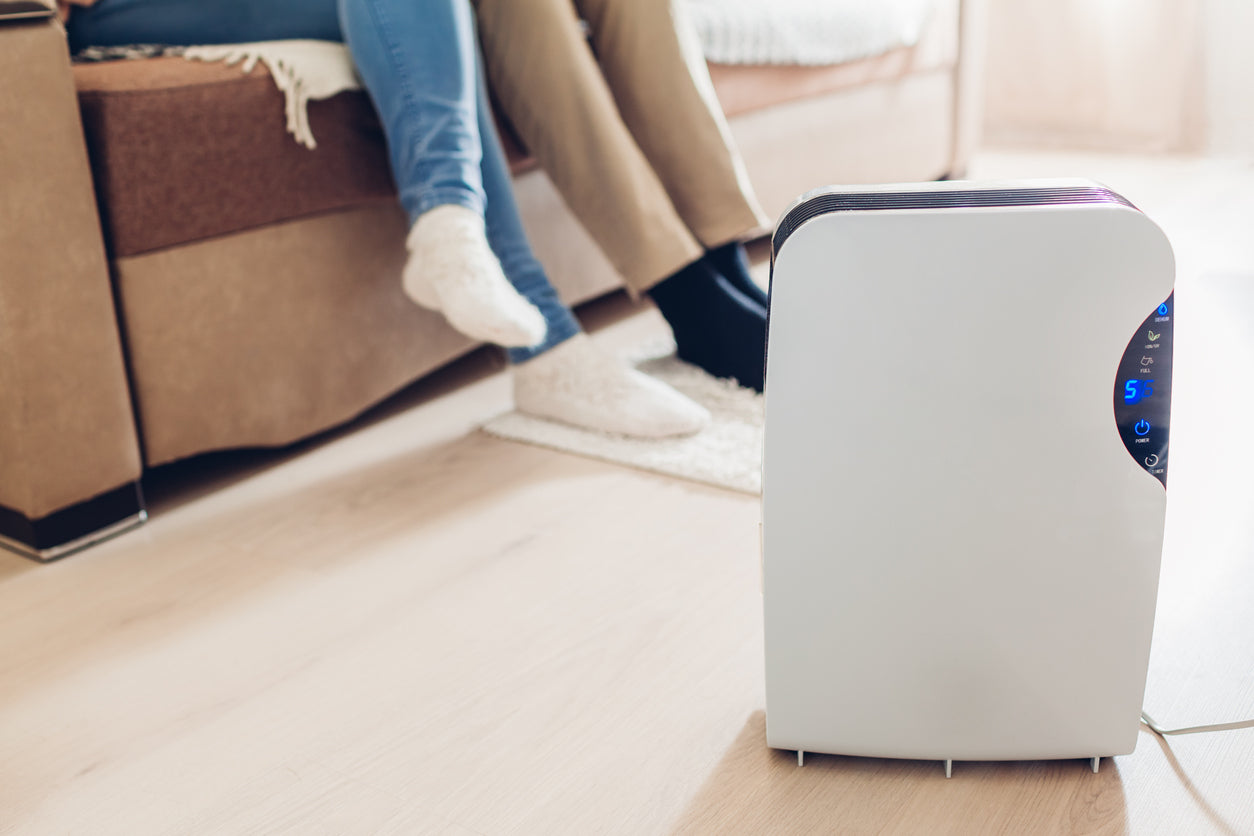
<point>410,627</point>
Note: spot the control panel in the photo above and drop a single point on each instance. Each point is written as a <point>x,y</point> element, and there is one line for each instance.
<point>1143,391</point>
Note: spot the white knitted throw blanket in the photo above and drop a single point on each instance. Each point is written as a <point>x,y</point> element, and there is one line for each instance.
<point>303,70</point>
<point>807,32</point>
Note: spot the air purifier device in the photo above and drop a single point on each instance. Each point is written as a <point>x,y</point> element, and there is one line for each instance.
<point>968,397</point>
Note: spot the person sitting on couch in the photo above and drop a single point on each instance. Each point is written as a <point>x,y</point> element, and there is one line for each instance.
<point>469,255</point>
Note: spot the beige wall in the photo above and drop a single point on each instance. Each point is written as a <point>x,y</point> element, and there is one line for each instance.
<point>1229,62</point>
<point>1118,74</point>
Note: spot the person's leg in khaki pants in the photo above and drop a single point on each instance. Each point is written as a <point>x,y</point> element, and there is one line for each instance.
<point>633,137</point>
<point>636,144</point>
<point>554,95</point>
<point>653,63</point>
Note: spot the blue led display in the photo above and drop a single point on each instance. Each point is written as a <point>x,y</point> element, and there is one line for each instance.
<point>1143,404</point>
<point>1135,390</point>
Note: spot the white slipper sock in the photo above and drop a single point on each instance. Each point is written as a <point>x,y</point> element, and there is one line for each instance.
<point>579,383</point>
<point>452,269</point>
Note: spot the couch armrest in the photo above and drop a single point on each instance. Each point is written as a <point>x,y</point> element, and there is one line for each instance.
<point>67,433</point>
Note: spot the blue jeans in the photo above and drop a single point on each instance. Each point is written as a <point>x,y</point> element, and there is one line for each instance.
<point>419,61</point>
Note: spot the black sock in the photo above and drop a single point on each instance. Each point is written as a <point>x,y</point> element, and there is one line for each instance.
<point>716,326</point>
<point>732,262</point>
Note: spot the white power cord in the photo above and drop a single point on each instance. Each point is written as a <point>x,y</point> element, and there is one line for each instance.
<point>1159,730</point>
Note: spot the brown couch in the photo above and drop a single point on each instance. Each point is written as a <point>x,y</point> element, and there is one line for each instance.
<point>235,289</point>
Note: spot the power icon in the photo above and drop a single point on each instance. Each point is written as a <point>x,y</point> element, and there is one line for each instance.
<point>1141,427</point>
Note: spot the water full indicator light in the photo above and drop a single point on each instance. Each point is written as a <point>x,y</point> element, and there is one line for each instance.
<point>1162,309</point>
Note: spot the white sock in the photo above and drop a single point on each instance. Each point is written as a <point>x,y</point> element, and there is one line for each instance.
<point>579,383</point>
<point>452,269</point>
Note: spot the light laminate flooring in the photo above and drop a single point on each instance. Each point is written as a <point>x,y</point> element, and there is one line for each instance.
<point>409,627</point>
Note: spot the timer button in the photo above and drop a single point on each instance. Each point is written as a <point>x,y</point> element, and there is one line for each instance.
<point>1142,427</point>
<point>1151,461</point>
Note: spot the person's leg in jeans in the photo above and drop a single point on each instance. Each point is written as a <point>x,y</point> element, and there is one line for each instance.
<point>565,376</point>
<point>417,61</point>
<point>509,239</point>
<point>419,64</point>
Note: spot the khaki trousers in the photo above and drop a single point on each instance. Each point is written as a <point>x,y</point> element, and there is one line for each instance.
<point>633,136</point>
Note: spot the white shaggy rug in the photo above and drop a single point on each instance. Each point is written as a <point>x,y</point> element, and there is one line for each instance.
<point>728,453</point>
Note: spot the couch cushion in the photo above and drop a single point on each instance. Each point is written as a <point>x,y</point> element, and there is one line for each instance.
<point>183,151</point>
<point>743,88</point>
<point>805,32</point>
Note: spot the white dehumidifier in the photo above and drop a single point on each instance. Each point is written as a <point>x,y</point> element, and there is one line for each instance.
<point>967,400</point>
